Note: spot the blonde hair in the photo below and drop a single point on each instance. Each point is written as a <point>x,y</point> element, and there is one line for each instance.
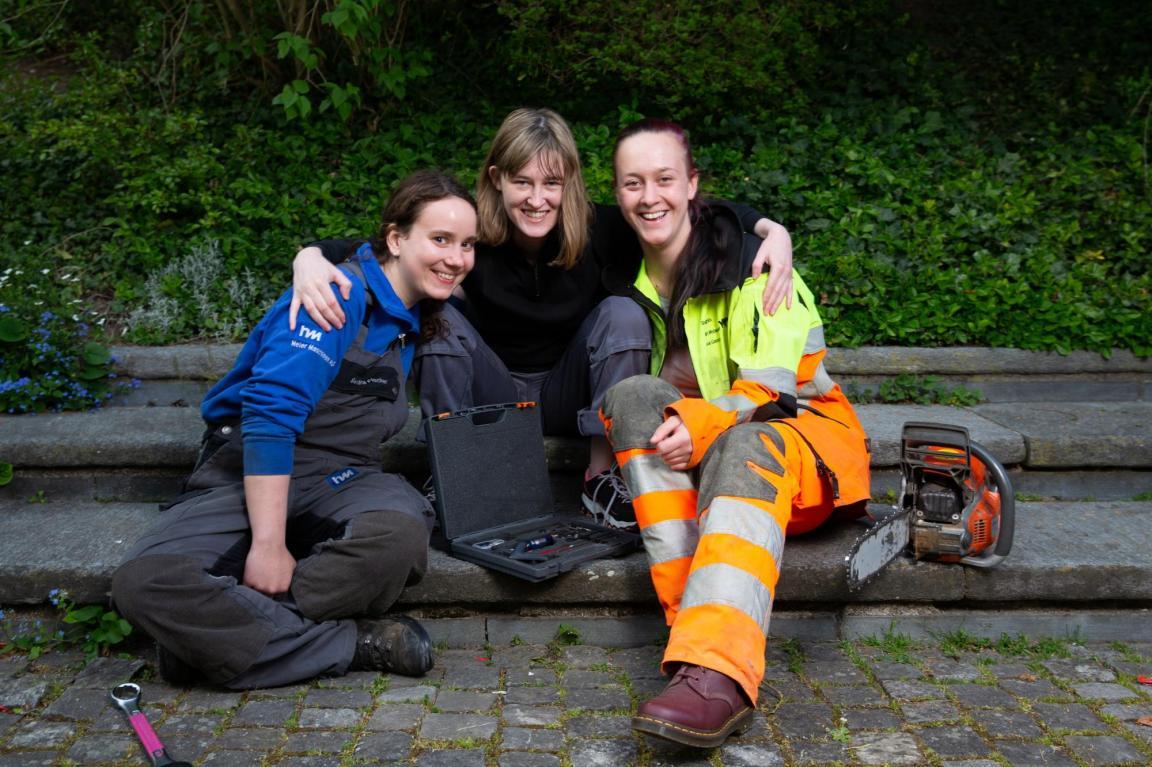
<point>524,135</point>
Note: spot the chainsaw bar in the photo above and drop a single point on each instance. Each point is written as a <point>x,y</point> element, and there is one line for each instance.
<point>875,549</point>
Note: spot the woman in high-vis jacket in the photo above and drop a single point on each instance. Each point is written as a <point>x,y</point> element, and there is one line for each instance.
<point>736,439</point>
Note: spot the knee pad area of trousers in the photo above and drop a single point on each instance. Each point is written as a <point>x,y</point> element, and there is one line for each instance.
<point>141,585</point>
<point>382,552</point>
<point>635,408</point>
<point>724,470</point>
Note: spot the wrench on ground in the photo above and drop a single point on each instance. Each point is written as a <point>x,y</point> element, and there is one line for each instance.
<point>127,698</point>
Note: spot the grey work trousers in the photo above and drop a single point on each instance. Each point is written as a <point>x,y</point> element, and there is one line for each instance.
<point>459,370</point>
<point>359,538</point>
<point>358,535</point>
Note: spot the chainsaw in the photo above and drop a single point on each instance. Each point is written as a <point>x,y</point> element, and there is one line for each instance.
<point>956,505</point>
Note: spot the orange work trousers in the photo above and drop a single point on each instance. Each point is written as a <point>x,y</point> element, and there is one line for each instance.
<point>715,535</point>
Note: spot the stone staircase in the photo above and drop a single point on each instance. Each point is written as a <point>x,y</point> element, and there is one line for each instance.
<point>1075,432</point>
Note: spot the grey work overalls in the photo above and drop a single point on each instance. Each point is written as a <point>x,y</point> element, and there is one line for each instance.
<point>359,536</point>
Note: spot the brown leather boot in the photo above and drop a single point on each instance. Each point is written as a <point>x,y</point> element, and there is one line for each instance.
<point>699,707</point>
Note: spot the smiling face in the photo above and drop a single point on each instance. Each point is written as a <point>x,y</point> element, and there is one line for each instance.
<point>654,188</point>
<point>434,255</point>
<point>531,198</point>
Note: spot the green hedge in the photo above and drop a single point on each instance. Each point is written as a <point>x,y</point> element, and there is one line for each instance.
<point>965,174</point>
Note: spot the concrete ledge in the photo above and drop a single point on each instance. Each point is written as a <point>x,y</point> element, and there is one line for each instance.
<point>1065,553</point>
<point>209,362</point>
<point>197,362</point>
<point>851,623</point>
<point>1078,551</point>
<point>113,437</point>
<point>183,373</point>
<point>1044,436</point>
<point>1082,623</point>
<point>1079,434</point>
<point>885,422</point>
<point>976,360</point>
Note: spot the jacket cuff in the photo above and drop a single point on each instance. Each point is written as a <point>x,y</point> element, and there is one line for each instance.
<point>264,455</point>
<point>704,421</point>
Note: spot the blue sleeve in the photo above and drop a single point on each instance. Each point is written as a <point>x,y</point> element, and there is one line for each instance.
<point>292,370</point>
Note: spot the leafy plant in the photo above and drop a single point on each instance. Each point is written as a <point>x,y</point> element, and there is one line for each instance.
<point>957,642</point>
<point>567,635</point>
<point>795,652</point>
<point>1021,645</point>
<point>48,358</point>
<point>29,637</point>
<point>6,473</point>
<point>984,188</point>
<point>367,34</point>
<point>840,733</point>
<point>926,390</point>
<point>898,647</point>
<point>190,297</point>
<point>92,628</point>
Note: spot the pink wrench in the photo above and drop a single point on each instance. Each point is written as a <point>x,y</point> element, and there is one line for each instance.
<point>127,698</point>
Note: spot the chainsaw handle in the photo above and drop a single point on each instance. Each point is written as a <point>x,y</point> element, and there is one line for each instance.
<point>1007,508</point>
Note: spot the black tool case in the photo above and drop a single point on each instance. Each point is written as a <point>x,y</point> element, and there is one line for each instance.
<point>494,501</point>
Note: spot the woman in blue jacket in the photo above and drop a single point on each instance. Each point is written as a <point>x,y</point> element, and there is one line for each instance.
<point>288,530</point>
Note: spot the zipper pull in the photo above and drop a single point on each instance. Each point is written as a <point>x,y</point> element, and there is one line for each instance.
<point>400,340</point>
<point>833,481</point>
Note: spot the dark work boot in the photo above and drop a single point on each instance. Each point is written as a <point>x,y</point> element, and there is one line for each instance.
<point>699,707</point>
<point>397,644</point>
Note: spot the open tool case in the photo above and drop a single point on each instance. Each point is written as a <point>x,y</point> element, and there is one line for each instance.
<point>494,502</point>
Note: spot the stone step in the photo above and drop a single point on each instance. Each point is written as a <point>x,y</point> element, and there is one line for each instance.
<point>183,373</point>
<point>1099,450</point>
<point>1086,554</point>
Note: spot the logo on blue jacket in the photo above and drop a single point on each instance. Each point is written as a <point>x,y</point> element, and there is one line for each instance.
<point>338,478</point>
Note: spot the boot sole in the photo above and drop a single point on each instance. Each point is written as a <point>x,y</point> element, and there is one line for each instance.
<point>688,736</point>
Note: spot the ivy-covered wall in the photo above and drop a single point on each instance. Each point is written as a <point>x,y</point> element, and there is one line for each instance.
<point>952,172</point>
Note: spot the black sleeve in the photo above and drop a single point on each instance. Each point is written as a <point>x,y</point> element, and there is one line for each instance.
<point>611,235</point>
<point>746,213</point>
<point>336,251</point>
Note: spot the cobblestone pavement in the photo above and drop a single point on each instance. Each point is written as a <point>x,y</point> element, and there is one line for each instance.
<point>877,702</point>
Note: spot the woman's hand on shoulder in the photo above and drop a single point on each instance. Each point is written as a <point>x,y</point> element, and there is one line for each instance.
<point>312,277</point>
<point>775,251</point>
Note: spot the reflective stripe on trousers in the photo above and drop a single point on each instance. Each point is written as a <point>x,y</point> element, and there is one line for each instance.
<point>715,544</point>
